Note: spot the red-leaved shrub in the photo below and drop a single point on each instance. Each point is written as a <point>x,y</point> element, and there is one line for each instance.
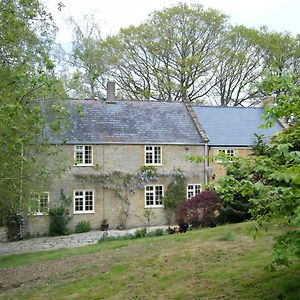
<point>200,210</point>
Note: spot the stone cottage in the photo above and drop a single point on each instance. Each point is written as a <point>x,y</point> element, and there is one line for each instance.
<point>113,144</point>
<point>123,138</point>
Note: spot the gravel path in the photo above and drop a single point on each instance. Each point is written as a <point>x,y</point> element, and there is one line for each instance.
<point>69,241</point>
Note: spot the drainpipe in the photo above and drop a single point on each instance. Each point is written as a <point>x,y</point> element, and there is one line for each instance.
<point>206,164</point>
<point>103,189</point>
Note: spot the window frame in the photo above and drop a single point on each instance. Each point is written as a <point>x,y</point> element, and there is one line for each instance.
<point>78,164</point>
<point>225,151</point>
<point>38,197</point>
<point>194,185</point>
<point>84,211</point>
<point>152,152</point>
<point>154,186</point>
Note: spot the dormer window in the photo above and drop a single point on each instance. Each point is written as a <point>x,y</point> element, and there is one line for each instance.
<point>83,155</point>
<point>153,155</point>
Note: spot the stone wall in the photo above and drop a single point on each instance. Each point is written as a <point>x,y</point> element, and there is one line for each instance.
<point>218,169</point>
<point>125,158</point>
<point>3,237</point>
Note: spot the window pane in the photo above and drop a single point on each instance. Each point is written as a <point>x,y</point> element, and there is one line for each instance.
<point>157,155</point>
<point>149,198</point>
<point>44,202</point>
<point>89,201</point>
<point>79,157</point>
<point>79,204</point>
<point>149,158</point>
<point>88,155</point>
<point>78,200</point>
<point>197,189</point>
<point>190,194</point>
<point>158,195</point>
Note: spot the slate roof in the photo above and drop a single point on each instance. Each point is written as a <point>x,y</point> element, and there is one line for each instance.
<point>233,126</point>
<point>129,122</point>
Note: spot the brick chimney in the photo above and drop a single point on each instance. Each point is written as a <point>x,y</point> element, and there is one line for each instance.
<point>111,92</point>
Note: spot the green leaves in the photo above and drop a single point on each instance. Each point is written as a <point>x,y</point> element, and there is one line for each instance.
<point>272,177</point>
<point>26,76</point>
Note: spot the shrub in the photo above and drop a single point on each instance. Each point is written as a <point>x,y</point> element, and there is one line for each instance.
<point>174,196</point>
<point>140,233</point>
<point>59,218</point>
<point>235,211</point>
<point>83,226</point>
<point>156,232</point>
<point>15,223</point>
<point>159,232</point>
<point>200,210</point>
<point>235,205</point>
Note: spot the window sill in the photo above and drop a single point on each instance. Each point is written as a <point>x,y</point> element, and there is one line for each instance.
<point>154,206</point>
<point>153,165</point>
<point>83,165</point>
<point>83,212</point>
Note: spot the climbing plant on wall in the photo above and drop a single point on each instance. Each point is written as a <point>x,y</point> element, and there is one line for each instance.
<point>125,184</point>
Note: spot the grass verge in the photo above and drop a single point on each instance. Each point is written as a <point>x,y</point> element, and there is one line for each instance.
<point>218,263</point>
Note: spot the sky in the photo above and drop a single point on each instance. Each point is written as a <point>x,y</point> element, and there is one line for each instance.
<point>111,15</point>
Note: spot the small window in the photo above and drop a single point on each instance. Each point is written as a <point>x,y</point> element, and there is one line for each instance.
<point>154,195</point>
<point>152,155</point>
<point>229,152</point>
<point>42,203</point>
<point>83,155</point>
<point>193,190</point>
<point>84,201</point>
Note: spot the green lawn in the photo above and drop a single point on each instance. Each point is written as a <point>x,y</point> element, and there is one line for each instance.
<point>218,263</point>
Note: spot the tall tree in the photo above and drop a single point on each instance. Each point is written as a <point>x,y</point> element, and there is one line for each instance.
<point>27,74</point>
<point>281,52</point>
<point>89,60</point>
<point>239,68</point>
<point>170,56</point>
<point>271,179</point>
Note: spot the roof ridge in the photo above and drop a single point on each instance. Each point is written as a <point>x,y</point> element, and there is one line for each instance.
<point>196,121</point>
<point>227,107</point>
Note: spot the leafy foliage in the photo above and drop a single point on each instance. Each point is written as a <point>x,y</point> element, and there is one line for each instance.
<point>182,53</point>
<point>176,193</point>
<point>125,184</point>
<point>60,216</point>
<point>140,233</point>
<point>27,74</point>
<point>200,210</point>
<point>170,56</point>
<point>235,204</point>
<point>239,67</point>
<point>272,178</point>
<point>15,224</point>
<point>89,56</point>
<point>174,196</point>
<point>83,226</point>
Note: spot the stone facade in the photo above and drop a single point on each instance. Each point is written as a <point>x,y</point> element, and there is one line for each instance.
<point>127,159</point>
<point>218,169</point>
